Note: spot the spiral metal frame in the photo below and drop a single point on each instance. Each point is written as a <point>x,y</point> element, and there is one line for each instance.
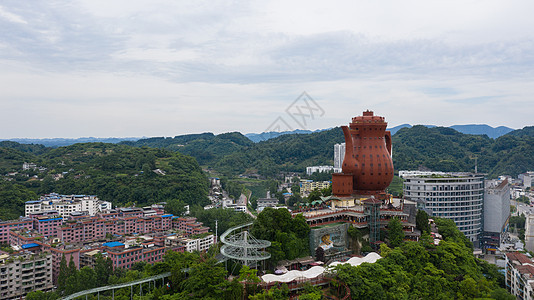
<point>241,246</point>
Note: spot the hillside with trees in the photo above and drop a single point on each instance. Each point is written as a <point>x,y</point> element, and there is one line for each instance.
<point>117,173</point>
<point>418,147</point>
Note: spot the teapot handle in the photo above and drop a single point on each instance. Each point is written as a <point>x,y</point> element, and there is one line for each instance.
<point>388,141</point>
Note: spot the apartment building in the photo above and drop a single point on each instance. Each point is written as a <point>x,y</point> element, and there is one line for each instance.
<point>455,196</point>
<point>519,275</point>
<point>201,243</point>
<point>7,226</point>
<point>307,186</point>
<point>339,155</point>
<point>47,226</point>
<point>23,273</point>
<point>496,213</point>
<point>189,225</point>
<point>65,205</point>
<point>123,257</point>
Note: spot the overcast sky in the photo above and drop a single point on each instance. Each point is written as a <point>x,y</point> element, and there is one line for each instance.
<point>162,68</point>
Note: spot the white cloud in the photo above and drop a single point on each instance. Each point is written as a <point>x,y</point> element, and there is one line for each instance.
<point>11,17</point>
<point>183,66</point>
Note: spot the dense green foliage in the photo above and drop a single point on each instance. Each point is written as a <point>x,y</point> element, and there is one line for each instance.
<point>412,270</point>
<point>13,195</point>
<point>420,270</point>
<point>444,149</point>
<point>233,153</point>
<point>226,218</point>
<point>421,221</point>
<point>117,173</point>
<point>395,233</point>
<point>289,236</point>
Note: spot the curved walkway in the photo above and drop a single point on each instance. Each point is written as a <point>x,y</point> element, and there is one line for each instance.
<point>116,286</point>
<point>240,245</point>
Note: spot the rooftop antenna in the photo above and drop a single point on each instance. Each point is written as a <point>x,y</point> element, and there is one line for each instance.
<point>476,164</point>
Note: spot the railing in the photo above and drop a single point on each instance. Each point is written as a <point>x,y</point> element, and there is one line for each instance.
<point>116,286</point>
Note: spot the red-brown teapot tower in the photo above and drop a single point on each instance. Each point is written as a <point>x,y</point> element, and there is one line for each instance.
<point>367,166</point>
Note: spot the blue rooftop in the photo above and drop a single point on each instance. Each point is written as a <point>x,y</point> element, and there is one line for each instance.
<point>31,245</point>
<point>33,201</point>
<point>112,244</point>
<point>165,216</point>
<point>54,219</point>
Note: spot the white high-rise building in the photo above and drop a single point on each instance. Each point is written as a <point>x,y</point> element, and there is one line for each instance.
<point>496,213</point>
<point>455,196</point>
<point>339,155</point>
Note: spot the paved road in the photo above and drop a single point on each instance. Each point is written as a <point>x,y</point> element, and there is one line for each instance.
<point>522,208</point>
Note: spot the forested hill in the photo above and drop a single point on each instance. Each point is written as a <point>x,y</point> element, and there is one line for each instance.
<point>233,153</point>
<point>116,173</point>
<point>444,149</point>
<point>436,148</point>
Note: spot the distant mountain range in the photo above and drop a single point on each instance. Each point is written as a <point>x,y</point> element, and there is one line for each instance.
<point>259,137</point>
<point>59,142</point>
<point>478,129</point>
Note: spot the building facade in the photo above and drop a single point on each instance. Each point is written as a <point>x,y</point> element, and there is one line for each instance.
<point>23,273</point>
<point>320,169</point>
<point>7,226</point>
<point>455,196</point>
<point>65,205</point>
<point>496,213</point>
<point>307,186</point>
<point>339,155</point>
<point>519,275</point>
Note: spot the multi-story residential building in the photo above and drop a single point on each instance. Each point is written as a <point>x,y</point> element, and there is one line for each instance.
<point>266,202</point>
<point>23,273</point>
<point>7,226</point>
<point>47,226</point>
<point>519,275</point>
<point>189,225</point>
<point>321,169</point>
<point>526,178</point>
<point>65,205</point>
<point>94,228</point>
<point>307,186</point>
<point>123,257</point>
<point>455,196</point>
<point>496,213</point>
<point>339,155</point>
<point>190,244</point>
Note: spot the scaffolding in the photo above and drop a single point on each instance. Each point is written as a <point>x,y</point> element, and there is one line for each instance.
<point>372,209</point>
<point>241,246</point>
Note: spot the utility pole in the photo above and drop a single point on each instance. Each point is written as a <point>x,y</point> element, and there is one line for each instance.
<point>216,226</point>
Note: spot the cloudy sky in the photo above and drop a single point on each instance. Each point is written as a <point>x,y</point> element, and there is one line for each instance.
<point>162,68</point>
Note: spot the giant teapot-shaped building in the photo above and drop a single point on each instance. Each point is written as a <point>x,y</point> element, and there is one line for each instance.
<point>367,166</point>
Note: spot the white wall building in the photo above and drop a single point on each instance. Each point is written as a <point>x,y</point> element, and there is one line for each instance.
<point>339,155</point>
<point>526,178</point>
<point>65,205</point>
<point>321,169</point>
<point>455,196</point>
<point>496,213</point>
<point>405,173</point>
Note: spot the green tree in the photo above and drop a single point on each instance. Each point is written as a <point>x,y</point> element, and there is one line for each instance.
<point>421,221</point>
<point>63,275</point>
<point>395,233</point>
<point>175,207</point>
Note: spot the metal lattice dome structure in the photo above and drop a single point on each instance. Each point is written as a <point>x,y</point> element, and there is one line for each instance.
<point>241,246</point>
